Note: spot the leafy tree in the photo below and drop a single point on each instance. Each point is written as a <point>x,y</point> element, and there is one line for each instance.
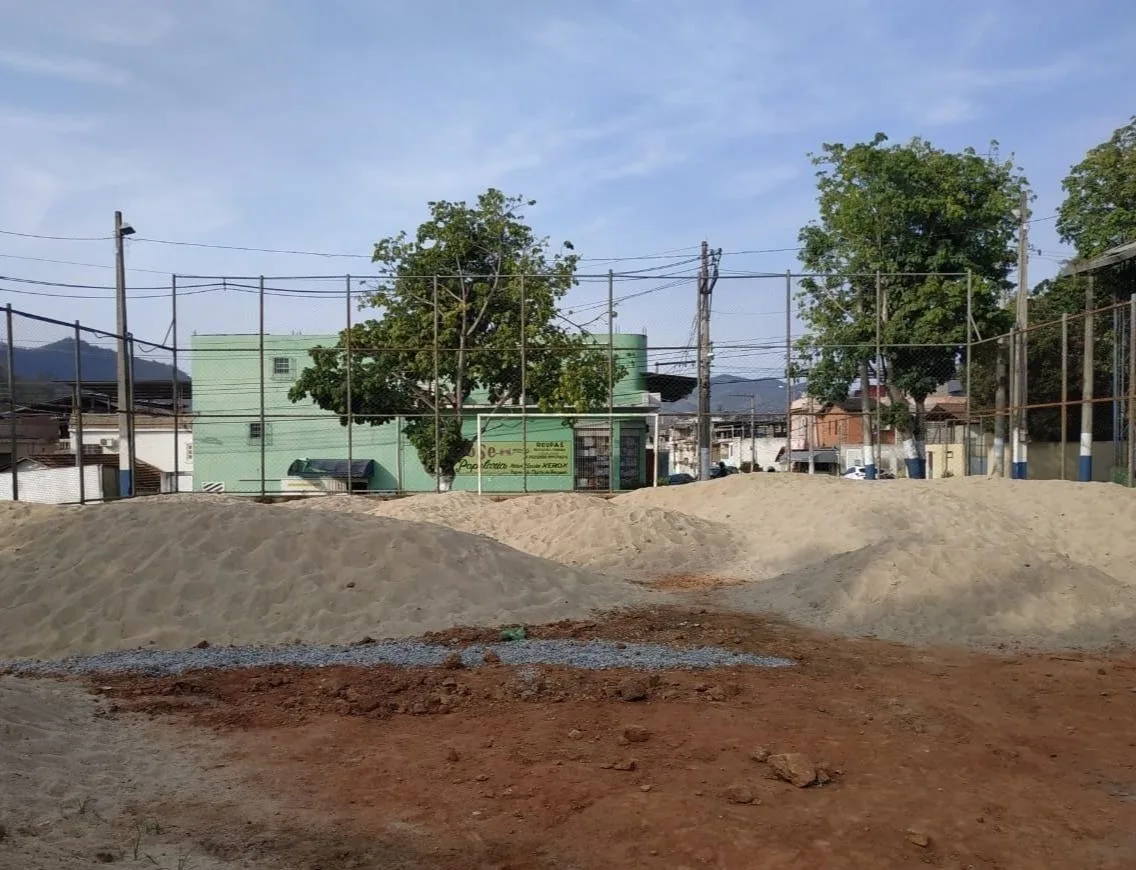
<point>914,214</point>
<point>1099,211</point>
<point>458,285</point>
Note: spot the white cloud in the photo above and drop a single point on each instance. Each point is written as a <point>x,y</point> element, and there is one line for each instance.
<point>61,67</point>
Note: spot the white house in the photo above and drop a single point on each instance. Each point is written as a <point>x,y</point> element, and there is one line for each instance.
<point>156,443</point>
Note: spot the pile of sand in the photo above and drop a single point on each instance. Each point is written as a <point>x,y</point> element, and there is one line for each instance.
<point>958,561</point>
<point>631,540</point>
<point>133,573</point>
<point>966,561</point>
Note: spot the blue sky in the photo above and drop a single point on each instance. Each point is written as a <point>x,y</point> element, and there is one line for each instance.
<point>640,127</point>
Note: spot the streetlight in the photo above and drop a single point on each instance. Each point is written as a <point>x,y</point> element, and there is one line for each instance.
<point>125,393</point>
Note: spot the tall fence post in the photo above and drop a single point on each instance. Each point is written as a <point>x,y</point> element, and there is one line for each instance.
<point>131,417</point>
<point>77,413</point>
<point>175,385</point>
<point>1085,454</point>
<point>13,439</point>
<point>438,400</point>
<point>1064,393</point>
<point>1132,391</point>
<point>611,451</point>
<point>350,412</point>
<point>263,417</point>
<point>788,371</point>
<point>867,442</point>
<point>969,437</point>
<point>524,397</point>
<point>880,375</point>
<point>1015,401</point>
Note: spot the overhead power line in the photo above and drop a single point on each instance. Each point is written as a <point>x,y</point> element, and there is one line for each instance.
<point>56,238</point>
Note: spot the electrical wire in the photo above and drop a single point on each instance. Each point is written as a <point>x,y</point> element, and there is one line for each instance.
<point>56,238</point>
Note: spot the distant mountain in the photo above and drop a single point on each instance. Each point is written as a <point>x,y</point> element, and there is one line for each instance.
<point>730,394</point>
<point>55,362</point>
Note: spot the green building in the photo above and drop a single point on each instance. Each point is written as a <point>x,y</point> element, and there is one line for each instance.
<point>287,447</point>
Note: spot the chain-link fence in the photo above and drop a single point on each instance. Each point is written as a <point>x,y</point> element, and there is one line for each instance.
<point>87,415</point>
<point>497,385</point>
<point>1058,400</point>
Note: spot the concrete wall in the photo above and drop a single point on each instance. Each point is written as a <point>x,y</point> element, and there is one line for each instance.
<point>1045,461</point>
<point>60,485</point>
<point>227,376</point>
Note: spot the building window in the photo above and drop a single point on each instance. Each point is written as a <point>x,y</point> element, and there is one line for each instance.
<point>258,432</point>
<point>282,367</point>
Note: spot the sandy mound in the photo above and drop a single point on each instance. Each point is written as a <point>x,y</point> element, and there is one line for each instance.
<point>133,573</point>
<point>980,562</point>
<point>631,540</point>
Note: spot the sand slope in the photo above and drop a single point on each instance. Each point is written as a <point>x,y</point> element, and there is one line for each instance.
<point>173,573</point>
<point>631,540</point>
<point>951,561</point>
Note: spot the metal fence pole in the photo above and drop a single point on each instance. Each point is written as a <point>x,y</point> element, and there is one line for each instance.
<point>438,400</point>
<point>880,375</point>
<point>350,413</point>
<point>77,413</point>
<point>1132,391</point>
<point>969,326</point>
<point>1085,453</point>
<point>263,421</point>
<point>1064,394</point>
<point>176,382</point>
<point>611,452</point>
<point>131,417</point>
<point>13,440</point>
<point>524,398</point>
<point>788,371</point>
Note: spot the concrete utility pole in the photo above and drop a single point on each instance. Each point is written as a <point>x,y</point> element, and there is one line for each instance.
<point>753,434</point>
<point>125,397</point>
<point>1021,356</point>
<point>707,278</point>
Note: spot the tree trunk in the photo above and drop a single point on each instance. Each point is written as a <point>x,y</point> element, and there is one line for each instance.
<point>911,435</point>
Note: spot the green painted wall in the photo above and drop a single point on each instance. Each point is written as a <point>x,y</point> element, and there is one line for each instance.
<point>227,385</point>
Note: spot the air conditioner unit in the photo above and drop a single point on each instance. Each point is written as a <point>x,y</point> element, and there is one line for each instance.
<point>109,443</point>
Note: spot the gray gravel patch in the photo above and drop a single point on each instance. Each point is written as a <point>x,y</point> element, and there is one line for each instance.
<point>585,655</point>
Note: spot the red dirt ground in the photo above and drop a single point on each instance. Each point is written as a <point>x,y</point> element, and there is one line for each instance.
<point>937,758</point>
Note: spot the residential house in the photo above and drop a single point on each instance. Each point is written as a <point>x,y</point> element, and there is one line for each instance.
<point>156,442</point>
<point>55,478</point>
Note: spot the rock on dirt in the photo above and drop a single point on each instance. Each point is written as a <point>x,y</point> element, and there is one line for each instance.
<point>453,662</point>
<point>739,794</point>
<point>793,768</point>
<point>491,658</point>
<point>760,754</point>
<point>628,764</point>
<point>636,734</point>
<point>632,689</point>
<point>918,838</point>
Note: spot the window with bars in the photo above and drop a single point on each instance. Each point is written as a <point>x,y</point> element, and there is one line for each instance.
<point>282,367</point>
<point>258,432</point>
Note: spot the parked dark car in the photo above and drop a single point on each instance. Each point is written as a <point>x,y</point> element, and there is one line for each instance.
<point>679,479</point>
<point>722,470</point>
